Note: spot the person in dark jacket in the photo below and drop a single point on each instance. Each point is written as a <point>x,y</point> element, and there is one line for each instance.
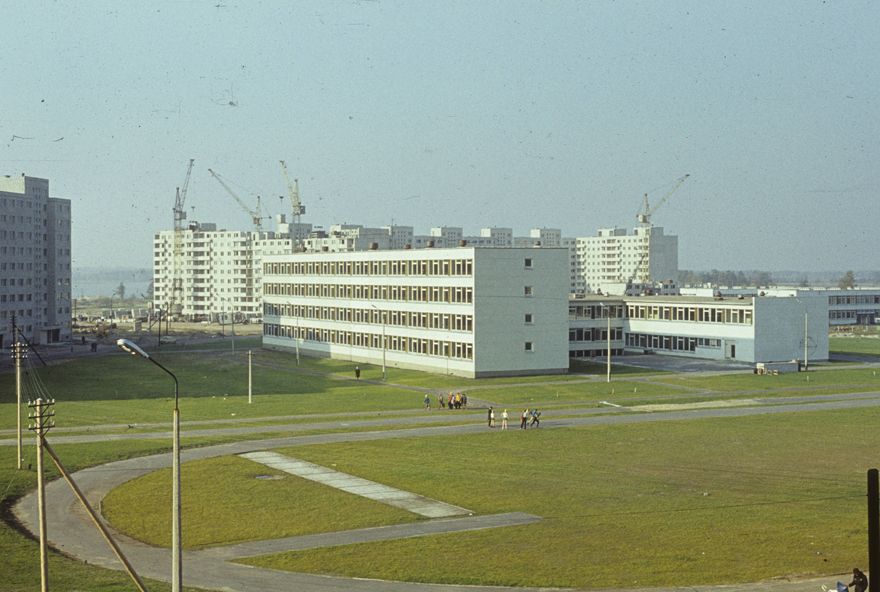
<point>860,581</point>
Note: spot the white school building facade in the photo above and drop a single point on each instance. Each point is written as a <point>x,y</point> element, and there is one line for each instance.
<point>471,312</point>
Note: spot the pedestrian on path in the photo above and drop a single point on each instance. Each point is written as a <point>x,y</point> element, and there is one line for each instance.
<point>504,420</point>
<point>860,581</point>
<point>440,398</point>
<point>535,415</point>
<point>357,372</point>
<point>427,402</point>
<point>491,418</point>
<point>523,420</point>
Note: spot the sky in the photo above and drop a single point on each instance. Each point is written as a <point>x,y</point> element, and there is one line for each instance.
<point>519,114</point>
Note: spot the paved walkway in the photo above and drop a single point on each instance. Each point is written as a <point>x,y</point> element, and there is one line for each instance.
<point>71,531</point>
<point>405,500</point>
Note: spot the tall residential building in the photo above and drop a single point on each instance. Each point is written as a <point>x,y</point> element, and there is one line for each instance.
<point>34,262</point>
<point>615,257</point>
<point>472,312</point>
<point>220,270</point>
<point>215,277</point>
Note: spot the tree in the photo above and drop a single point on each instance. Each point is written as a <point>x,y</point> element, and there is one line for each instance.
<point>848,281</point>
<point>805,283</point>
<point>120,291</point>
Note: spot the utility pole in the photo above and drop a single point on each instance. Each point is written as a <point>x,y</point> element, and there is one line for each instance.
<point>609,343</point>
<point>42,417</point>
<point>250,380</point>
<point>873,523</point>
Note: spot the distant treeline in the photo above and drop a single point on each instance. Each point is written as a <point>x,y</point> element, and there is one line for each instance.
<point>726,279</point>
<point>765,279</point>
<point>108,274</point>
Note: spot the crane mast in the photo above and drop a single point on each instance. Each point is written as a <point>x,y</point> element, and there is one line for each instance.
<point>256,216</point>
<point>297,209</point>
<point>179,219</point>
<point>642,268</point>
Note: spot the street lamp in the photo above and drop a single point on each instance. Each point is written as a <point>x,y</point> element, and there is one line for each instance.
<point>384,318</point>
<point>806,334</point>
<point>607,309</point>
<point>176,559</point>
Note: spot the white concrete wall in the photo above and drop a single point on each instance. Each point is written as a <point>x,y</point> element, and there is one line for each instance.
<point>780,328</point>
<point>500,307</point>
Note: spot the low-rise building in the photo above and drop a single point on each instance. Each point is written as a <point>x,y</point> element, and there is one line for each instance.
<point>744,329</point>
<point>471,312</point>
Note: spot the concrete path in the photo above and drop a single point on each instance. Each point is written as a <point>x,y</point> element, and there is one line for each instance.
<point>404,500</point>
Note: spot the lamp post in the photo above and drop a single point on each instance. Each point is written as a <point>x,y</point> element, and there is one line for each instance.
<point>806,334</point>
<point>607,310</point>
<point>176,559</point>
<point>384,318</point>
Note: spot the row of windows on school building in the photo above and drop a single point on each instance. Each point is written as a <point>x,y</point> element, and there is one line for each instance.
<point>431,347</point>
<point>670,342</point>
<point>698,314</point>
<point>426,267</point>
<point>858,299</point>
<point>452,294</point>
<point>397,318</point>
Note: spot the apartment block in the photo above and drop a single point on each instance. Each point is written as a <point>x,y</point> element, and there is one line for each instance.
<point>35,275</point>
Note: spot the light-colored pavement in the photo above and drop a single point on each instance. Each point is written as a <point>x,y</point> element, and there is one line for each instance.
<point>71,532</point>
<point>405,500</point>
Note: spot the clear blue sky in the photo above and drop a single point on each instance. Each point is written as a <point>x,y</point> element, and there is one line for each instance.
<point>473,114</point>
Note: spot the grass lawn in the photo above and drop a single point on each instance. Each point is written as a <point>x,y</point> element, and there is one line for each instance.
<point>867,377</point>
<point>678,503</point>
<point>854,346</point>
<point>622,505</point>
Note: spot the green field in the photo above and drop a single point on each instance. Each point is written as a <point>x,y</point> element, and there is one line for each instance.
<point>855,346</point>
<point>647,504</point>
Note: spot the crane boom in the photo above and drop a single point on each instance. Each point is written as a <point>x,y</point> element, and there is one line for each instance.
<point>179,218</point>
<point>642,268</point>
<point>256,216</point>
<point>296,208</point>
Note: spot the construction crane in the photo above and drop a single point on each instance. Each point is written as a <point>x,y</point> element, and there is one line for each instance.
<point>296,207</point>
<point>256,216</point>
<point>179,219</point>
<point>642,268</point>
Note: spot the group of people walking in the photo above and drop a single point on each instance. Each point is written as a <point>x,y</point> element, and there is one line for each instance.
<point>527,418</point>
<point>459,401</point>
<point>455,401</point>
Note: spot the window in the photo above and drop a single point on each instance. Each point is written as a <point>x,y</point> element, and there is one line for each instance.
<point>529,319</point>
<point>530,346</point>
<point>528,290</point>
<point>529,263</point>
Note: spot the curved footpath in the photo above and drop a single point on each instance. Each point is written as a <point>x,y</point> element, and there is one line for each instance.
<point>72,532</point>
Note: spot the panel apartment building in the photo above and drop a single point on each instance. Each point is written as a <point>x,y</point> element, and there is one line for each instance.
<point>596,262</point>
<point>471,312</point>
<point>34,262</point>
<point>219,270</point>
